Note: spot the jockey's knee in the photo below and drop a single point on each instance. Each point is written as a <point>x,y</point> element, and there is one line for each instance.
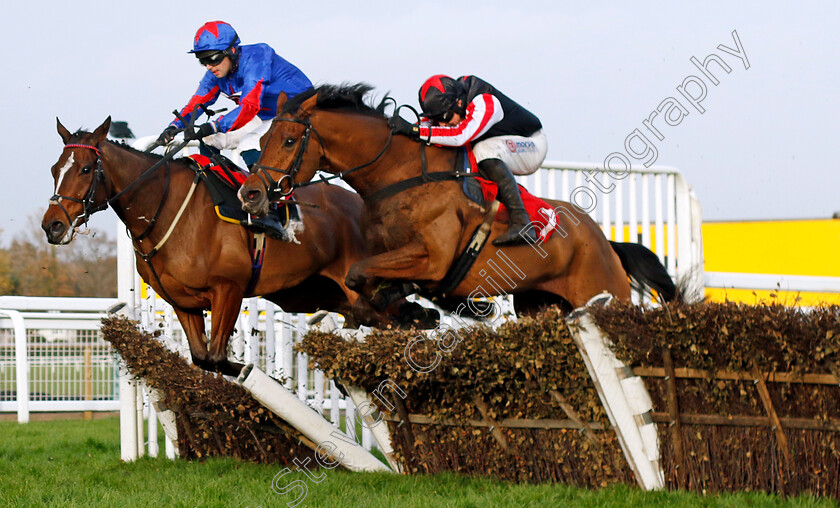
<point>207,150</point>
<point>250,157</point>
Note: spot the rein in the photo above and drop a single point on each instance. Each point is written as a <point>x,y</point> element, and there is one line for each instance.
<point>166,158</point>
<point>276,188</point>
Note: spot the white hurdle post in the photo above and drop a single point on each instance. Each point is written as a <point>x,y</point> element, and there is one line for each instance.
<point>307,421</point>
<point>625,398</point>
<point>128,420</point>
<point>126,285</point>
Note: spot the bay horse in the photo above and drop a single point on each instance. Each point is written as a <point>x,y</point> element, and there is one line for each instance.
<point>416,232</point>
<point>205,264</point>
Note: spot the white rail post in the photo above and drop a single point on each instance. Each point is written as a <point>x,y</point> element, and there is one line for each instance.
<point>138,411</point>
<point>270,341</point>
<point>21,365</point>
<point>252,344</point>
<point>128,293</point>
<point>152,422</point>
<point>287,342</point>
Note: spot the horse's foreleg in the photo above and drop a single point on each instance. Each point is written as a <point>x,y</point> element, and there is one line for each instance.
<point>193,325</point>
<point>225,304</point>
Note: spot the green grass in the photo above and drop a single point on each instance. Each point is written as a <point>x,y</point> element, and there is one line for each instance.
<point>76,463</point>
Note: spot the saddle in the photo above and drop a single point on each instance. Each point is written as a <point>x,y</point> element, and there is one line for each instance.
<point>483,192</point>
<point>223,179</point>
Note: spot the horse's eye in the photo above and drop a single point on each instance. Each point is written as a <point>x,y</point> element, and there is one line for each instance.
<point>85,170</point>
<point>290,142</point>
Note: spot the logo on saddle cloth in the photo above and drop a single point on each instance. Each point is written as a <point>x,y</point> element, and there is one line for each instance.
<point>538,210</point>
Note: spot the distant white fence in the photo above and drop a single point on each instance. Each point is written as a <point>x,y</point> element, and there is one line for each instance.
<point>771,282</point>
<point>652,206</point>
<point>53,357</point>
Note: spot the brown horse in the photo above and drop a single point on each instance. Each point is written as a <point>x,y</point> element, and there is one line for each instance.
<point>205,263</point>
<point>417,232</point>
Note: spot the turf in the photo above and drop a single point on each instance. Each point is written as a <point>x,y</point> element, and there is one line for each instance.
<point>76,463</point>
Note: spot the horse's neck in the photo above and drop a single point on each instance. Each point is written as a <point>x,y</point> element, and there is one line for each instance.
<point>136,201</point>
<point>400,161</point>
<point>123,166</point>
<point>404,160</point>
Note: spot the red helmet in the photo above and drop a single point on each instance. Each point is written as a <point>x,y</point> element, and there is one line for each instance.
<point>439,95</point>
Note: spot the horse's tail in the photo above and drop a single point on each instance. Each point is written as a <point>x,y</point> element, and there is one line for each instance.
<point>645,269</point>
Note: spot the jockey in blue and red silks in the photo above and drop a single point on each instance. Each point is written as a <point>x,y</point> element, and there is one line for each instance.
<point>252,76</point>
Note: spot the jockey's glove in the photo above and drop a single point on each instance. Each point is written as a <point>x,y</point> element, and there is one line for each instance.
<point>200,132</point>
<point>400,125</point>
<point>167,135</point>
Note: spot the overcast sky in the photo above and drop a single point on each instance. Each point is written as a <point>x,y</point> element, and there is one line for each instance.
<point>592,72</point>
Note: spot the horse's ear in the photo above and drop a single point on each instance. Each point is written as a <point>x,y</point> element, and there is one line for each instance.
<point>101,131</point>
<point>62,131</point>
<point>281,101</point>
<point>306,108</point>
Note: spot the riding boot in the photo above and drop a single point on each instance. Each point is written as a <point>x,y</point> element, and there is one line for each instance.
<point>270,223</point>
<point>519,225</point>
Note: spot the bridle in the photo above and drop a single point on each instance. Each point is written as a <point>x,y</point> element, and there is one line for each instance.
<point>89,201</point>
<point>275,188</point>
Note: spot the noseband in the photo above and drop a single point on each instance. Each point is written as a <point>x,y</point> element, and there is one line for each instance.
<point>275,189</point>
<point>89,207</point>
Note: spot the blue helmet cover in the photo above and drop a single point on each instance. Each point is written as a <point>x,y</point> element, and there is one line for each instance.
<point>215,36</point>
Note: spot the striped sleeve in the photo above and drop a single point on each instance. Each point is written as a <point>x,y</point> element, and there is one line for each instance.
<point>482,112</point>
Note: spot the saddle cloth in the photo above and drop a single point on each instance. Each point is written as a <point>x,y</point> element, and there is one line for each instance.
<point>483,191</point>
<point>223,182</point>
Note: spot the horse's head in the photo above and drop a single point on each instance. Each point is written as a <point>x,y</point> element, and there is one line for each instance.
<point>79,183</point>
<point>287,155</point>
<point>324,129</point>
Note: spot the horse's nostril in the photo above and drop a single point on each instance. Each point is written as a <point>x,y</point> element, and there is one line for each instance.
<point>55,230</point>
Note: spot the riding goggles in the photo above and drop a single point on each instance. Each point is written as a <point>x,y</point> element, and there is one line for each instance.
<point>443,117</point>
<point>213,59</point>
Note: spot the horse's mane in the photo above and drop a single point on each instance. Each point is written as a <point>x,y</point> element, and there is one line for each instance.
<point>129,148</point>
<point>347,97</point>
<point>121,144</point>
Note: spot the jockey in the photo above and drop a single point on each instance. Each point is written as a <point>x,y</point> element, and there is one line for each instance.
<point>252,76</point>
<point>504,136</point>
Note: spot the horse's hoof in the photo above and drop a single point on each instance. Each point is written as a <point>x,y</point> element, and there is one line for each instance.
<point>414,314</point>
<point>354,281</point>
<point>228,368</point>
